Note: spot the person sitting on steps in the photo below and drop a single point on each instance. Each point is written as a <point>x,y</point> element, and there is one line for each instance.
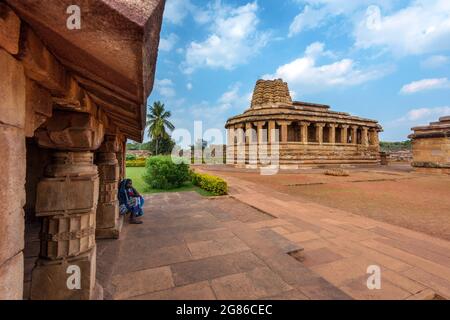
<point>130,201</point>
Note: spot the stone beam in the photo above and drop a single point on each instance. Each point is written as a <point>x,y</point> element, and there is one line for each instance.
<point>9,29</point>
<point>124,61</point>
<point>71,131</point>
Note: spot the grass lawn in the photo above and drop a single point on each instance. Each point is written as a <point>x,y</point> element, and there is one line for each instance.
<point>136,174</point>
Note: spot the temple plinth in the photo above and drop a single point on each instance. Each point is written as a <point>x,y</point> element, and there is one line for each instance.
<point>431,147</point>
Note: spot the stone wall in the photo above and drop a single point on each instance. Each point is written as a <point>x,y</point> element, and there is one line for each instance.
<point>12,168</point>
<point>431,147</point>
<point>59,96</point>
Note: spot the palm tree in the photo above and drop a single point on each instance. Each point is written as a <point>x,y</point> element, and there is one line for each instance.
<point>158,123</point>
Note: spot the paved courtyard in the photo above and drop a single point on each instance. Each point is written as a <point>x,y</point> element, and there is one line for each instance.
<point>249,246</point>
<point>191,247</point>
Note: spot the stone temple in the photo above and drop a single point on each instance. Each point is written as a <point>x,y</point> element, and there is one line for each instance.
<point>431,147</point>
<point>69,100</point>
<point>307,134</point>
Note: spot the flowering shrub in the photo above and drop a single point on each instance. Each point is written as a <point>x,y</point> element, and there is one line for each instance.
<point>213,184</point>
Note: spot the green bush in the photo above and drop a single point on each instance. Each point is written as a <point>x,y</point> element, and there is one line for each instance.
<point>130,156</point>
<point>163,172</point>
<point>215,185</point>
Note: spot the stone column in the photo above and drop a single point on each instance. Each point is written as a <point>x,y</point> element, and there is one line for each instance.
<point>272,132</point>
<point>249,132</point>
<point>240,147</point>
<point>304,131</point>
<point>108,220</point>
<point>365,136</point>
<point>354,134</point>
<point>66,200</point>
<point>344,134</point>
<point>319,132</point>
<point>259,125</point>
<point>332,133</point>
<point>284,130</point>
<point>376,140</point>
<point>231,146</point>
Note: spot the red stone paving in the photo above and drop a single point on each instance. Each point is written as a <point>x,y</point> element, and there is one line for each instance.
<point>237,247</point>
<point>339,245</point>
<point>191,247</point>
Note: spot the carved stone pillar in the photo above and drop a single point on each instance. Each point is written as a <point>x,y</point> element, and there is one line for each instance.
<point>260,131</point>
<point>239,131</point>
<point>249,133</point>
<point>284,130</point>
<point>332,133</point>
<point>319,132</point>
<point>272,132</point>
<point>304,131</point>
<point>230,145</point>
<point>109,222</point>
<point>344,134</point>
<point>365,137</point>
<point>354,134</point>
<point>66,200</point>
<point>121,157</point>
<point>376,140</point>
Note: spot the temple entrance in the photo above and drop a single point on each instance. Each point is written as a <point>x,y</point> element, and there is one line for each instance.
<point>338,134</point>
<point>312,137</point>
<point>326,134</point>
<point>294,132</point>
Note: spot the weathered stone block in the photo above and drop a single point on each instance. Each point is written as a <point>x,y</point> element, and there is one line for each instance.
<point>67,236</point>
<point>71,131</point>
<point>12,228</point>
<point>12,91</point>
<point>107,215</point>
<point>41,66</point>
<point>11,278</point>
<point>62,196</point>
<point>50,278</point>
<point>108,172</point>
<point>9,29</point>
<point>39,107</point>
<point>12,167</point>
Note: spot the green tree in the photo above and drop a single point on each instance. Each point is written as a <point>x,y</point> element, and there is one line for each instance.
<point>165,145</point>
<point>158,123</point>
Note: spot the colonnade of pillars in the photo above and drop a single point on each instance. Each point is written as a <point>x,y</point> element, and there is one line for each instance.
<point>308,132</point>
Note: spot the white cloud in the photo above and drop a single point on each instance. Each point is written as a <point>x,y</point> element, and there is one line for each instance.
<point>165,88</point>
<point>234,38</point>
<point>309,18</point>
<point>176,12</point>
<point>167,44</point>
<point>230,102</point>
<point>435,61</point>
<point>425,114</point>
<point>189,86</point>
<point>306,75</point>
<point>425,85</point>
<point>316,13</point>
<point>422,27</point>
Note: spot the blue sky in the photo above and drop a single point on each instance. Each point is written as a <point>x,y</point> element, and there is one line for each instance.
<point>382,59</point>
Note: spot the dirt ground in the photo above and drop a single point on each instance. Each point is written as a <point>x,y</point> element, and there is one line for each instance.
<point>389,194</point>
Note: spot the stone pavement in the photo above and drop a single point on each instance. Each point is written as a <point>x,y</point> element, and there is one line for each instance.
<point>339,246</point>
<point>191,247</point>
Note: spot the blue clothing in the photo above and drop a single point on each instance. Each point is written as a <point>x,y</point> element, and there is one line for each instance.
<point>130,200</point>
